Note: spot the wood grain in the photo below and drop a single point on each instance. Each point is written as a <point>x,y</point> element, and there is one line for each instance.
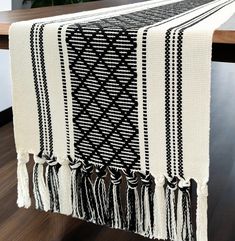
<point>8,17</point>
<point>32,225</point>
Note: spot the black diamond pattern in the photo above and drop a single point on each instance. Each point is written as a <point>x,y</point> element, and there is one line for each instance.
<point>102,61</point>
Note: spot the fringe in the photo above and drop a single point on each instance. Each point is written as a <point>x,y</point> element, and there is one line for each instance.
<point>88,198</point>
<point>171,209</point>
<point>76,180</point>
<point>41,193</point>
<point>23,199</point>
<point>202,193</point>
<point>100,195</point>
<point>147,205</point>
<point>65,192</point>
<point>53,183</point>
<point>114,201</point>
<point>133,203</point>
<point>160,221</point>
<point>69,190</point>
<point>115,219</point>
<point>184,219</point>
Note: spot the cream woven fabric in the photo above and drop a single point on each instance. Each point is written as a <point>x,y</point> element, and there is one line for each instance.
<point>118,97</point>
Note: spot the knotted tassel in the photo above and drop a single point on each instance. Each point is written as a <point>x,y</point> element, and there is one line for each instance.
<point>171,209</point>
<point>88,198</point>
<point>133,203</point>
<point>202,193</point>
<point>53,183</point>
<point>115,207</point>
<point>184,219</point>
<point>41,193</point>
<point>147,205</point>
<point>65,192</point>
<point>100,195</point>
<point>23,199</point>
<point>160,216</point>
<point>76,179</point>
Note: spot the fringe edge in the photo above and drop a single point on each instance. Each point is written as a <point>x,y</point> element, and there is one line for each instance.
<point>152,213</point>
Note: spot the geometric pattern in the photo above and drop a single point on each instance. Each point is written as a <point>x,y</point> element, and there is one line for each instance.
<point>102,62</point>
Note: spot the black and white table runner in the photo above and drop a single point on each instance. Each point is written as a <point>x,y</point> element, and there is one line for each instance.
<point>118,97</point>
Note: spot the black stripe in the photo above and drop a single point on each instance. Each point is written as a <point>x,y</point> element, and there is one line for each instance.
<point>183,8</point>
<point>179,38</point>
<point>37,91</point>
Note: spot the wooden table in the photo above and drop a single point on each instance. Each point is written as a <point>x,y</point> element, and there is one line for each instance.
<point>223,39</point>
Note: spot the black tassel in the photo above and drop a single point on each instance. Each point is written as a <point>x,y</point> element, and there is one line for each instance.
<point>184,219</point>
<point>100,195</point>
<point>115,208</point>
<point>76,175</point>
<point>133,203</point>
<point>41,193</point>
<point>88,198</point>
<point>37,196</point>
<point>53,183</point>
<point>171,209</point>
<point>147,205</point>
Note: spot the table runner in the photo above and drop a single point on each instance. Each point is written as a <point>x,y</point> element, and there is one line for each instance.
<point>118,98</point>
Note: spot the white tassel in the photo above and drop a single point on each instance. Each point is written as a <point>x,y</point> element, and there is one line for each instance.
<point>202,193</point>
<point>23,199</point>
<point>171,212</point>
<point>184,224</point>
<point>65,192</point>
<point>179,216</point>
<point>138,217</point>
<point>147,216</point>
<point>42,188</point>
<point>160,229</point>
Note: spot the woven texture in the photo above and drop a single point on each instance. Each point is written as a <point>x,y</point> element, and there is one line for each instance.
<point>116,95</point>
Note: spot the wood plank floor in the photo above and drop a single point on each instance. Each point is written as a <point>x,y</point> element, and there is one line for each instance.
<point>31,225</point>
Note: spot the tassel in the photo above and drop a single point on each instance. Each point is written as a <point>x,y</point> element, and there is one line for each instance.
<point>184,219</point>
<point>160,216</point>
<point>171,209</point>
<point>147,205</point>
<point>23,199</point>
<point>65,189</point>
<point>133,204</point>
<point>76,179</point>
<point>202,193</point>
<point>41,194</point>
<point>53,183</point>
<point>88,198</point>
<point>100,195</point>
<point>115,207</point>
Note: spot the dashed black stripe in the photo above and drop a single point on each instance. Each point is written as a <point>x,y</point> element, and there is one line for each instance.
<point>64,87</point>
<point>176,9</point>
<point>168,115</point>
<point>37,90</point>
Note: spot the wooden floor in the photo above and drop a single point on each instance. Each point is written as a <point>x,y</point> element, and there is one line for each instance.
<point>31,225</point>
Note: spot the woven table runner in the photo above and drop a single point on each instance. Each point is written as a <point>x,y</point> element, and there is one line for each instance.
<point>114,104</point>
